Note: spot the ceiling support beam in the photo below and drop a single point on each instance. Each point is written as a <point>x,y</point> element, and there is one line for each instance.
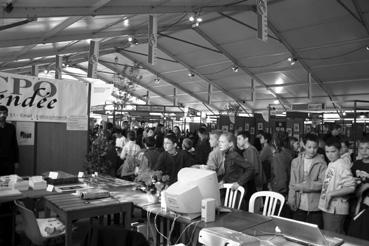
<point>295,54</point>
<point>142,32</point>
<point>243,68</point>
<point>169,81</point>
<point>134,80</point>
<point>190,43</point>
<point>363,19</point>
<point>43,10</point>
<point>210,82</point>
<point>18,23</point>
<point>60,27</point>
<point>245,24</point>
<point>48,34</point>
<point>78,58</point>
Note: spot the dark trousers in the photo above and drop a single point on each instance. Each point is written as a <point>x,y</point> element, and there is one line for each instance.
<point>6,223</point>
<point>6,166</point>
<point>313,217</point>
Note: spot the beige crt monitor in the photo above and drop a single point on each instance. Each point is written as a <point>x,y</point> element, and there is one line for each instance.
<point>304,233</point>
<point>184,196</point>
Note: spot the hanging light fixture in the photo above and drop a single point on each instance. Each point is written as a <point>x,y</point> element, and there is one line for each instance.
<point>292,60</point>
<point>235,68</point>
<point>126,22</point>
<point>157,80</point>
<point>196,19</point>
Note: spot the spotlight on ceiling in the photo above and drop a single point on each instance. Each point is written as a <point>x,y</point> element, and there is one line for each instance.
<point>130,39</point>
<point>235,68</point>
<point>196,19</point>
<point>292,60</point>
<point>157,80</point>
<point>367,47</point>
<point>126,22</point>
<point>191,74</point>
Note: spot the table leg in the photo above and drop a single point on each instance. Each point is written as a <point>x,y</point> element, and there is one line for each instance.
<point>47,212</point>
<point>68,232</point>
<point>127,217</point>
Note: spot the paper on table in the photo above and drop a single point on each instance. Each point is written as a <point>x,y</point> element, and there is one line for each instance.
<point>53,175</point>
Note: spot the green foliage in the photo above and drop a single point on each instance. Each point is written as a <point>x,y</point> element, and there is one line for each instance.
<point>97,158</point>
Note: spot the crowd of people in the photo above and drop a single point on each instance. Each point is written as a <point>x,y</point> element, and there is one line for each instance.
<point>323,182</point>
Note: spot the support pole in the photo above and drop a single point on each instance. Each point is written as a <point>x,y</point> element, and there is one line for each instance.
<point>93,59</point>
<point>34,70</point>
<point>147,97</point>
<point>152,39</point>
<point>210,93</point>
<point>174,96</point>
<point>58,67</point>
<point>310,95</point>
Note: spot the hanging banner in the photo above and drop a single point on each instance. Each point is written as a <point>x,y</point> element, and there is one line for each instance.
<point>31,98</point>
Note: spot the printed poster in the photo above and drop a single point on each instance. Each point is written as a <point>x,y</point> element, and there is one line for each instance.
<point>25,133</point>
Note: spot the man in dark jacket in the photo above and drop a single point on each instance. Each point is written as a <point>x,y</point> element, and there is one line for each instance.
<point>8,144</point>
<point>203,147</point>
<point>8,164</point>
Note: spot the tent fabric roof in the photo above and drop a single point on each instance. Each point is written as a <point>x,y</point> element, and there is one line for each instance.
<point>328,41</point>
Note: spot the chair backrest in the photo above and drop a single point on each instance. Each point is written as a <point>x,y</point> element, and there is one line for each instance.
<point>271,199</point>
<point>30,225</point>
<point>232,195</point>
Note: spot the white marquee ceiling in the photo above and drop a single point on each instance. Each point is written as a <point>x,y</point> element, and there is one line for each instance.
<point>328,38</point>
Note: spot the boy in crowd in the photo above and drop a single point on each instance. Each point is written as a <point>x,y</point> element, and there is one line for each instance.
<point>172,159</point>
<point>216,157</point>
<point>345,153</point>
<point>266,155</point>
<point>307,174</point>
<point>338,183</point>
<point>251,154</point>
<point>147,157</point>
<point>128,153</point>
<point>120,140</point>
<point>359,225</point>
<point>203,147</point>
<point>187,147</point>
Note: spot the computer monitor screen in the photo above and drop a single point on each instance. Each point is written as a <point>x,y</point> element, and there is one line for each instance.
<point>192,186</point>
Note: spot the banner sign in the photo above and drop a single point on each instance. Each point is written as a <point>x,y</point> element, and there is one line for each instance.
<point>31,98</point>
